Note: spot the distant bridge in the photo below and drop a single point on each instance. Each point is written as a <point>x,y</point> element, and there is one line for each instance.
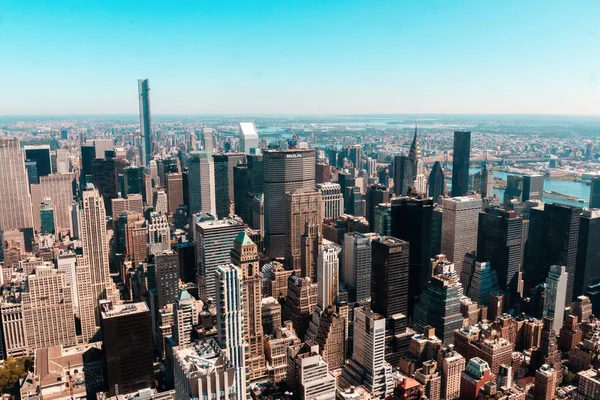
<point>447,158</point>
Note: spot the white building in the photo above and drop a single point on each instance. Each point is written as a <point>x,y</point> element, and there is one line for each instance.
<point>328,272</point>
<point>333,200</point>
<point>555,293</point>
<point>248,137</point>
<point>308,373</point>
<point>202,371</point>
<point>368,367</point>
<point>230,321</point>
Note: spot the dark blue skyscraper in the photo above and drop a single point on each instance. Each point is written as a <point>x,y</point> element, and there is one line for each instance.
<point>437,182</point>
<point>460,163</point>
<point>143,92</point>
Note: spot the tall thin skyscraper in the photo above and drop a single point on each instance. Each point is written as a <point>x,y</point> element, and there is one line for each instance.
<point>224,189</point>
<point>367,367</point>
<point>417,178</point>
<point>437,182</point>
<point>556,228</point>
<point>499,241</point>
<point>460,163</point>
<point>145,129</point>
<point>244,255</point>
<point>402,170</point>
<point>389,290</point>
<point>595,193</point>
<point>588,252</point>
<point>303,230</point>
<point>554,295</point>
<point>356,271</point>
<point>284,172</point>
<point>230,320</point>
<point>328,275</point>
<point>411,221</point>
<point>487,180</point>
<point>15,212</point>
<point>376,194</point>
<point>94,242</point>
<point>201,190</point>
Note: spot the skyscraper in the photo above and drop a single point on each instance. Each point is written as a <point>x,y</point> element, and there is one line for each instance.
<point>440,307</point>
<point>127,343</point>
<point>145,129</point>
<point>376,194</point>
<point>201,183</point>
<point>284,172</point>
<point>487,180</point>
<point>244,255</point>
<point>356,271</point>
<point>213,242</point>
<point>499,241</point>
<point>230,319</point>
<point>436,181</point>
<point>368,367</point>
<point>333,200</point>
<point>41,155</point>
<point>174,191</point>
<point>460,163</point>
<point>248,137</point>
<point>389,289</point>
<point>411,221</point>
<point>166,276</point>
<point>185,316</point>
<point>224,189</point>
<point>303,230</point>
<point>554,295</point>
<point>459,227</point>
<point>595,193</point>
<point>308,372</point>
<point>328,274</point>
<point>59,188</point>
<point>452,365</point>
<point>417,178</point>
<point>587,269</point>
<point>95,243</point>
<point>555,240</point>
<point>402,171</point>
<point>48,310</point>
<point>15,212</point>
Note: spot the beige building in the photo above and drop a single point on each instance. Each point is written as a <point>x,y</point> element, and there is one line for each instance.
<point>13,327</point>
<point>48,310</point>
<point>275,351</point>
<point>452,365</point>
<point>59,188</point>
<point>132,203</point>
<point>245,256</point>
<point>15,200</point>
<point>86,301</point>
<point>64,373</point>
<point>303,213</point>
<point>94,241</point>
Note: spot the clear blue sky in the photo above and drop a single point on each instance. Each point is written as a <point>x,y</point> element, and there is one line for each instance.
<point>300,57</point>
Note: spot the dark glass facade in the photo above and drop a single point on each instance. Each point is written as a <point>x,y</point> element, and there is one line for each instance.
<point>411,222</point>
<point>436,181</point>
<point>460,163</point>
<point>587,270</point>
<point>553,237</point>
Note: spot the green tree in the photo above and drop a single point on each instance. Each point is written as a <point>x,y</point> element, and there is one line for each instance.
<point>11,371</point>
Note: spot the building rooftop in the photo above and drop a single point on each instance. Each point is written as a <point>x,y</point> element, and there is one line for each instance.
<point>248,130</point>
<point>200,357</point>
<point>110,310</point>
<point>243,239</point>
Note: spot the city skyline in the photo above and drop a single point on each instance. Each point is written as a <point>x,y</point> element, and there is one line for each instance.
<point>302,58</point>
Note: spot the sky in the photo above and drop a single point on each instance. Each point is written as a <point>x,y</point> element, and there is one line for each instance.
<point>300,57</point>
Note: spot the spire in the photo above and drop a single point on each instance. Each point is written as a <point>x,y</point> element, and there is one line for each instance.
<point>415,147</point>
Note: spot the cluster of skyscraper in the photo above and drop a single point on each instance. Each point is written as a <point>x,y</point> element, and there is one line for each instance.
<point>251,269</point>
